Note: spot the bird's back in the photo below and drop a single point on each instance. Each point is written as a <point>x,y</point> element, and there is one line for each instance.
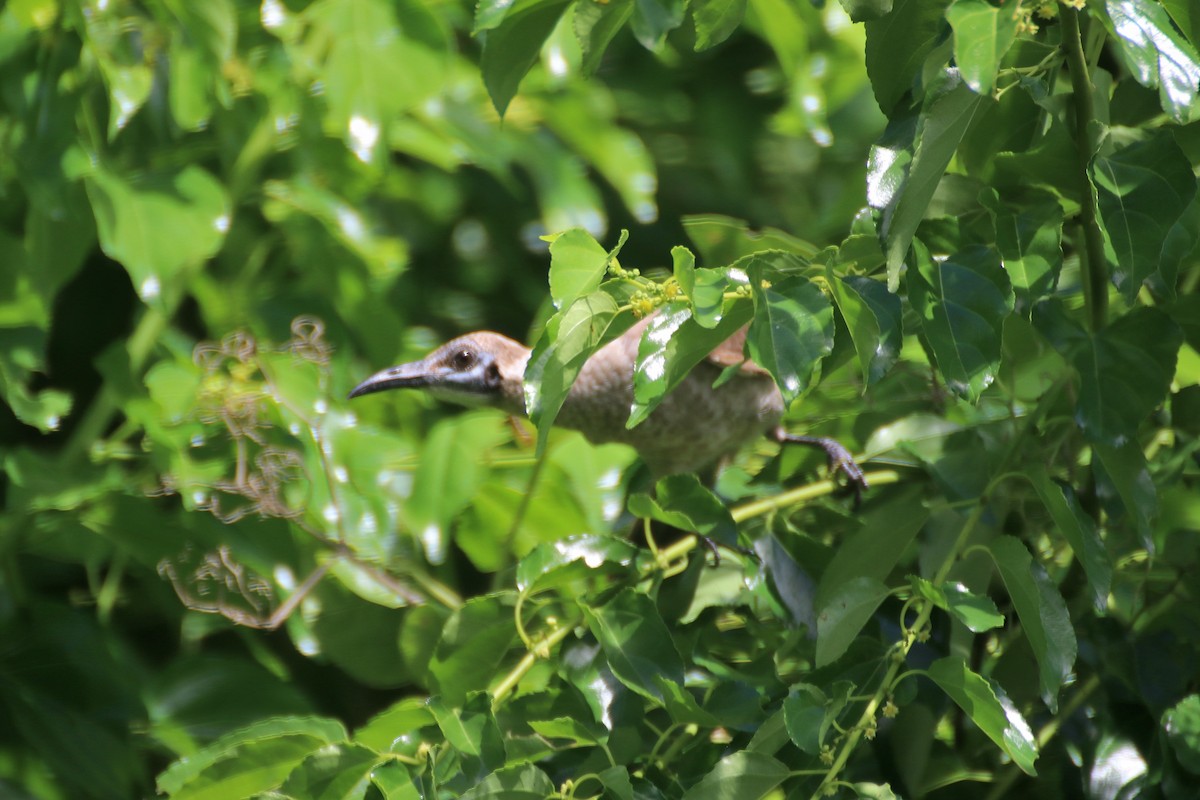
<point>694,426</point>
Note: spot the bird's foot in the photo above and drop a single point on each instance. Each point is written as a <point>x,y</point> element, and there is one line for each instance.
<point>840,460</point>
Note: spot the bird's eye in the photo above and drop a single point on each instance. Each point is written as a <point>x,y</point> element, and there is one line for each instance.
<point>462,360</point>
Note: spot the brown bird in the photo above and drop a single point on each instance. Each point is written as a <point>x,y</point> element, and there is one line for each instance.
<point>692,430</point>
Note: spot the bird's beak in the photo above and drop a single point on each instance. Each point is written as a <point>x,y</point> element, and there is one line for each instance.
<point>405,376</point>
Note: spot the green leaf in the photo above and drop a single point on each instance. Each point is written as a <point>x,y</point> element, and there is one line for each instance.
<point>978,613</point>
<point>1125,371</point>
<point>249,760</point>
<point>1141,191</point>
<point>395,725</point>
<point>809,713</point>
<point>792,329</point>
<point>988,708</point>
<point>672,344</point>
<point>577,265</point>
<point>962,302</point>
<point>1042,612</point>
<point>547,565</point>
<point>873,551</point>
<point>472,731</point>
<point>866,10</point>
<point>570,338</point>
<point>897,45</point>
<point>654,19</point>
<point>1124,469</point>
<point>982,35</point>
<point>514,34</point>
<point>843,615</point>
<point>1029,238</point>
<point>872,314</point>
<point>159,225</point>
<point>595,26</point>
<point>1079,530</point>
<point>1182,724</point>
<point>745,775</point>
<point>523,782</point>
<point>905,167</point>
<point>636,642</point>
<point>715,20</point>
<point>1156,53</point>
<point>339,772</point>
<point>474,642</point>
<point>680,501</point>
<point>449,471</point>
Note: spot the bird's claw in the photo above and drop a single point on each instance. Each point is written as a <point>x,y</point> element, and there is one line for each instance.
<point>840,460</point>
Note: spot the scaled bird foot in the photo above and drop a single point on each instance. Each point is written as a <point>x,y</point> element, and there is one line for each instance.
<point>840,460</point>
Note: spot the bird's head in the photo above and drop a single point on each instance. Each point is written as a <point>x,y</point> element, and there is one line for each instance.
<point>481,368</point>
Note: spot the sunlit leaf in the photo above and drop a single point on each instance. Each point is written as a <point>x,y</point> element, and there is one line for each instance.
<point>636,642</point>
<point>994,714</point>
<point>1157,54</point>
<point>982,35</point>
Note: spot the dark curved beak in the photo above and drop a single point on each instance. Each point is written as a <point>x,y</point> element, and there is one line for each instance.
<point>405,376</point>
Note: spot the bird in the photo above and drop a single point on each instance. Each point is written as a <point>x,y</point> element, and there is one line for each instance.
<point>695,428</point>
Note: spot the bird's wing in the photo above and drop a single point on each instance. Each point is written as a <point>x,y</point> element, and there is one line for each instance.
<point>731,352</point>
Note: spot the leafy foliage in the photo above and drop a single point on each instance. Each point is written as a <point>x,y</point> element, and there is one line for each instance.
<point>962,237</point>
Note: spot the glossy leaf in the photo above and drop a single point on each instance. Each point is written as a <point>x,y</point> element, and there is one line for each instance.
<point>872,314</point>
<point>992,712</point>
<point>544,566</point>
<point>522,782</point>
<point>1042,612</point>
<point>978,613</point>
<point>962,302</point>
<point>1142,190</point>
<point>1157,54</point>
<point>792,329</point>
<point>844,614</point>
<point>333,773</point>
<point>744,774</point>
<point>906,167</point>
<point>472,731</point>
<point>982,35</point>
<point>672,344</point>
<point>570,338</point>
<point>636,642</point>
<point>577,265</point>
<point>249,760</point>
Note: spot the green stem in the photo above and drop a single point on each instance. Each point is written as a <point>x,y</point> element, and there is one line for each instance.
<point>1093,264</point>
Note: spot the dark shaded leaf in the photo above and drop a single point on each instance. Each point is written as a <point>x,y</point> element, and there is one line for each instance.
<point>514,36</point>
<point>680,501</point>
<point>636,642</point>
<point>962,302</point>
<point>745,775</point>
<point>1079,530</point>
<point>843,616</point>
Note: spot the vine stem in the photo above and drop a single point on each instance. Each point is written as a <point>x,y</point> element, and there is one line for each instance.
<point>1094,265</point>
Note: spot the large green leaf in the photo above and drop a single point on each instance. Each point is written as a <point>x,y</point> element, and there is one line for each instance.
<point>523,782</point>
<point>982,35</point>
<point>897,44</point>
<point>159,224</point>
<point>513,36</point>
<point>577,265</point>
<point>338,772</point>
<point>978,613</point>
<point>962,302</point>
<point>792,329</point>
<point>716,20</point>
<point>636,642</point>
<point>249,760</point>
<point>672,344</point>
<point>682,502</point>
<point>843,615</point>
<point>872,314</point>
<point>1029,239</point>
<point>906,166</point>
<point>570,338</point>
<point>1043,614</point>
<point>475,640</point>
<point>988,708</point>
<point>1141,191</point>
<point>1157,54</point>
<point>745,775</point>
<point>1079,530</point>
<point>1124,372</point>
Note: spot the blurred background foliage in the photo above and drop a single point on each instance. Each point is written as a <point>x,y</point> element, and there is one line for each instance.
<point>216,217</point>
